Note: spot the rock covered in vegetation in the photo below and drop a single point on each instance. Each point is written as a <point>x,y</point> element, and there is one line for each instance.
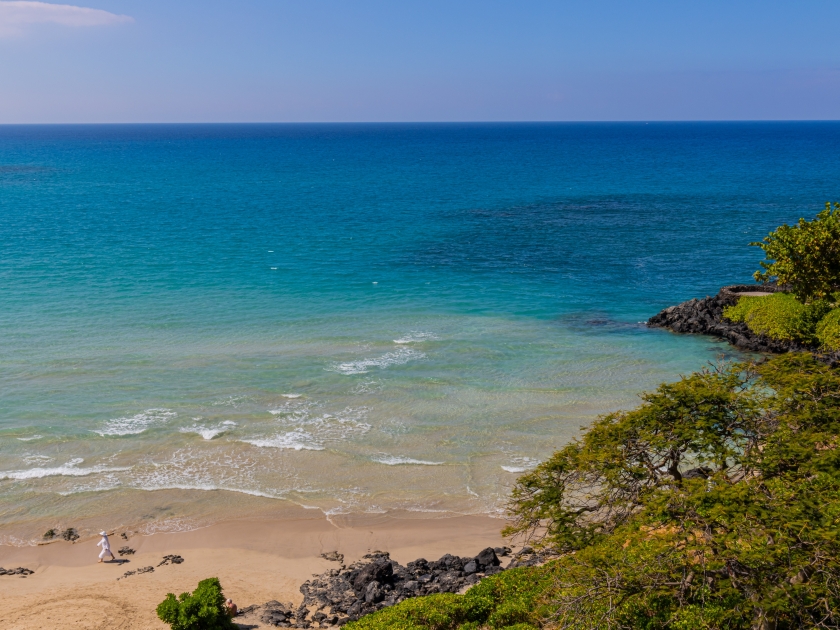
<point>70,534</point>
<point>376,582</point>
<point>705,317</point>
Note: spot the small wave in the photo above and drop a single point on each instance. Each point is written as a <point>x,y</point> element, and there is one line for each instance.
<point>521,465</point>
<point>292,395</point>
<point>208,433</point>
<point>37,459</point>
<point>230,401</point>
<point>295,440</point>
<point>416,336</point>
<point>398,357</point>
<point>391,460</point>
<point>30,438</point>
<point>68,470</point>
<point>319,429</point>
<point>137,423</point>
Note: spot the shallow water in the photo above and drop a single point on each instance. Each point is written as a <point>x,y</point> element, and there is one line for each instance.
<point>352,318</point>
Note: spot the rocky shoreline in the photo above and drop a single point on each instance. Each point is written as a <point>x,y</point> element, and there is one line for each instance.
<point>705,317</point>
<point>375,582</point>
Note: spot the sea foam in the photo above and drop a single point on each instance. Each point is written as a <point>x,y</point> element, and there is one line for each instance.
<point>297,440</point>
<point>70,469</point>
<point>401,356</point>
<point>208,433</point>
<point>392,460</point>
<point>416,336</point>
<point>30,438</point>
<point>133,425</point>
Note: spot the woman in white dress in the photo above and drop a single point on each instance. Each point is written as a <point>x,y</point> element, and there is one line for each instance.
<point>106,547</point>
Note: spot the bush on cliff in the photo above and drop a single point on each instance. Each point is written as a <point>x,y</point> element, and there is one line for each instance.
<point>828,331</point>
<point>716,504</point>
<point>204,609</point>
<point>511,599</point>
<point>805,256</point>
<point>779,316</point>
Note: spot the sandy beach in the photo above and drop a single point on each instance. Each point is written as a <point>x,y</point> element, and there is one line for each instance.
<point>256,561</point>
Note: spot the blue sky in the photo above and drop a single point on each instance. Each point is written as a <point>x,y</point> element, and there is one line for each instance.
<point>430,60</point>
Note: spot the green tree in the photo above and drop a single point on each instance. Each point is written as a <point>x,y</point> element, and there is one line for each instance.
<point>715,504</point>
<point>204,609</point>
<point>805,256</point>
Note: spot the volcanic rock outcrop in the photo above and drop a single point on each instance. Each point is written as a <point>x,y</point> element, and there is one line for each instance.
<point>705,317</point>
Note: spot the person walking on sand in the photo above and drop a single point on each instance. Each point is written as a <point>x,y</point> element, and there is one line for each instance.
<point>106,547</point>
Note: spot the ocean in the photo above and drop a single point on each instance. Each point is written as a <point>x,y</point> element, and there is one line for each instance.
<point>204,322</point>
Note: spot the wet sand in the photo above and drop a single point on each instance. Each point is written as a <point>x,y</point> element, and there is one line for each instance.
<point>256,561</point>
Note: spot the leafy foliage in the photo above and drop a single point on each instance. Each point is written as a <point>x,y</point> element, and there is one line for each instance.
<point>780,316</point>
<point>828,331</point>
<point>510,600</point>
<point>805,256</point>
<point>204,609</point>
<point>715,504</point>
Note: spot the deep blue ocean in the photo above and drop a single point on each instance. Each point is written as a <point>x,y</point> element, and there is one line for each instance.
<point>201,320</point>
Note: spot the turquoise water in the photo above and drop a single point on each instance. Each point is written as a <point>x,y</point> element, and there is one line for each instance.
<point>205,321</point>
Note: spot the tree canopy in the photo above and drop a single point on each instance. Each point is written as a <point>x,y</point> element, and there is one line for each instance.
<point>805,256</point>
<point>715,504</point>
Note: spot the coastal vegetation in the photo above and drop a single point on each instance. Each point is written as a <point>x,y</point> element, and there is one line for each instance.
<point>715,504</point>
<point>203,609</point>
<point>805,256</point>
<point>804,259</point>
<point>780,316</point>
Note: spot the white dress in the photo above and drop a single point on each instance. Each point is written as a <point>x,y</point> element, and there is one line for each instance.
<point>106,547</point>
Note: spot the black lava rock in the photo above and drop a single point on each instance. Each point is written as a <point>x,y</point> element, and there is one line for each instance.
<point>21,571</point>
<point>705,317</point>
<point>341,595</point>
<point>172,559</point>
<point>380,570</point>
<point>487,558</point>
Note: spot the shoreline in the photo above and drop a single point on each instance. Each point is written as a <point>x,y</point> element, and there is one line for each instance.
<point>257,560</point>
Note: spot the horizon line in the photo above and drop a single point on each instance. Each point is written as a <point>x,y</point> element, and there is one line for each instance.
<point>432,122</point>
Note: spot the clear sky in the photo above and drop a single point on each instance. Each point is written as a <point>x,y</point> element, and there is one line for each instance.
<point>424,60</point>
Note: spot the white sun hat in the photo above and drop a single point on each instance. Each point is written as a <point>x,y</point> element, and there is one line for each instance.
<point>103,533</point>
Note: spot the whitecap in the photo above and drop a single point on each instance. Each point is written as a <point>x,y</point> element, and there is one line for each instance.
<point>29,439</point>
<point>400,356</point>
<point>391,460</point>
<point>292,395</point>
<point>137,423</point>
<point>514,469</point>
<point>416,336</point>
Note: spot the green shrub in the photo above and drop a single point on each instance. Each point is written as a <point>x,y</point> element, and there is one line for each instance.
<point>805,256</point>
<point>508,600</point>
<point>828,331</point>
<point>779,316</point>
<point>203,610</point>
